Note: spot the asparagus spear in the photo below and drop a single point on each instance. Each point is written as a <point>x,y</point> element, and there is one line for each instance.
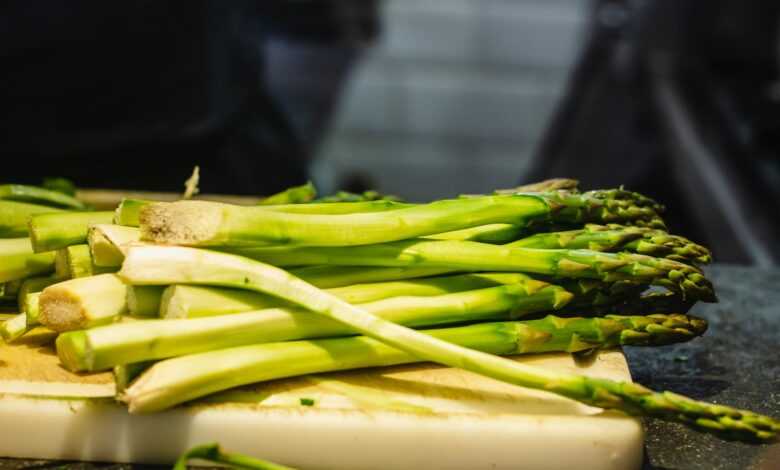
<point>146,265</point>
<point>83,302</point>
<point>338,276</point>
<point>213,453</point>
<point>128,211</point>
<point>17,260</point>
<point>37,195</point>
<point>199,223</point>
<point>106,242</point>
<point>552,184</point>
<point>125,374</point>
<point>14,216</point>
<point>76,261</point>
<point>466,255</point>
<point>616,238</point>
<point>122,343</point>
<point>177,380</point>
<point>491,233</point>
<point>14,327</point>
<point>32,308</point>
<point>295,195</point>
<point>183,301</point>
<point>144,301</point>
<point>54,231</point>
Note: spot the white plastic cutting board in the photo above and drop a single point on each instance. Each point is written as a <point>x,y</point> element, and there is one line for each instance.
<point>404,417</point>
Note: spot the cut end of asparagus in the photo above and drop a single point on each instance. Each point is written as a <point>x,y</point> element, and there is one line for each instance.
<point>82,303</point>
<point>180,223</point>
<point>74,351</point>
<point>61,310</point>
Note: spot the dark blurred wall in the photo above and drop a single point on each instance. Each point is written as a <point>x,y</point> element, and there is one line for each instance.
<point>133,94</point>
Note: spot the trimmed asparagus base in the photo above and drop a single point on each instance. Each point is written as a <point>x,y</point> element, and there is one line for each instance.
<point>83,303</point>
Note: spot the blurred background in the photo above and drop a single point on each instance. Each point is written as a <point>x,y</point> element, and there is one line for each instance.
<point>423,99</point>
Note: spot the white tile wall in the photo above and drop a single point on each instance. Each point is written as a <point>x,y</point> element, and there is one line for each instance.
<point>454,96</point>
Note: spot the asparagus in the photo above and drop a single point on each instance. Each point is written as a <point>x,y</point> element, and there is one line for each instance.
<point>17,260</point>
<point>83,302</point>
<point>346,196</point>
<point>616,237</point>
<point>14,216</point>
<point>128,211</point>
<point>152,264</point>
<point>28,296</point>
<point>466,255</point>
<point>491,233</point>
<point>106,242</point>
<point>42,196</point>
<point>76,261</point>
<point>261,362</point>
<point>144,301</point>
<point>338,276</point>
<point>183,301</point>
<point>123,343</point>
<point>54,231</point>
<point>125,374</point>
<point>212,453</point>
<point>13,328</point>
<point>32,308</point>
<point>199,223</point>
<point>9,291</point>
<point>295,195</point>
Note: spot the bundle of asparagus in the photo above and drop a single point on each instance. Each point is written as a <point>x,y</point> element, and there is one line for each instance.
<point>223,295</point>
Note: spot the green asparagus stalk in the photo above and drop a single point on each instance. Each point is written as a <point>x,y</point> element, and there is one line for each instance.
<point>32,308</point>
<point>76,261</point>
<point>346,196</point>
<point>13,328</point>
<point>491,233</point>
<point>212,453</point>
<point>106,242</point>
<point>17,260</point>
<point>9,291</point>
<point>128,211</point>
<point>153,264</point>
<point>326,277</point>
<point>54,231</point>
<point>37,195</point>
<point>125,374</point>
<point>548,334</point>
<point>83,302</point>
<point>14,216</point>
<point>123,343</point>
<point>28,296</point>
<point>199,223</point>
<point>184,301</point>
<point>474,256</point>
<point>620,238</point>
<point>295,195</point>
<point>144,301</point>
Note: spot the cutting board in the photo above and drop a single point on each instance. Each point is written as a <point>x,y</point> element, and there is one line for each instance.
<point>416,416</point>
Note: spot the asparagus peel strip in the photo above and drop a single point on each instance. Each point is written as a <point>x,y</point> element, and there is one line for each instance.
<point>152,264</point>
<point>165,382</point>
<point>54,231</point>
<point>83,302</point>
<point>104,347</point>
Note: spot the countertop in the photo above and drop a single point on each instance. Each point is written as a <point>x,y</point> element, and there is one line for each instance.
<point>735,363</point>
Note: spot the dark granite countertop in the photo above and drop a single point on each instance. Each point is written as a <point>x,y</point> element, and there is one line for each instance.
<point>735,363</point>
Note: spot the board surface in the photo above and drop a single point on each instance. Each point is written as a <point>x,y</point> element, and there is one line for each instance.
<point>423,416</point>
